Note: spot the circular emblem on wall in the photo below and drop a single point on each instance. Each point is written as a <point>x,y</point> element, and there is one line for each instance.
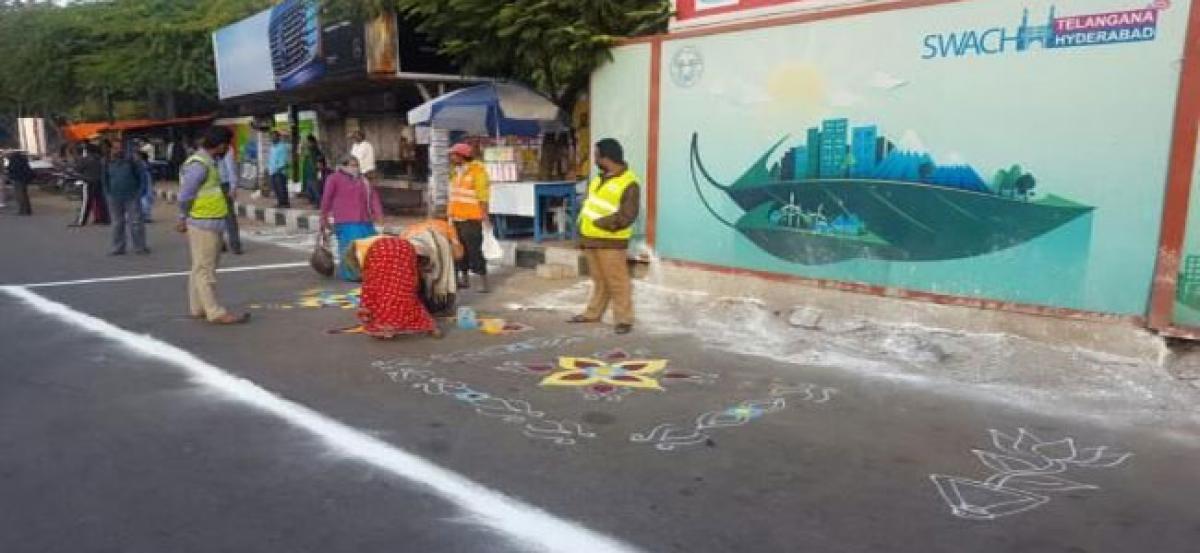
<point>687,66</point>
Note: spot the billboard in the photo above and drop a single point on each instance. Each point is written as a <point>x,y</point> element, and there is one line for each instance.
<point>289,47</point>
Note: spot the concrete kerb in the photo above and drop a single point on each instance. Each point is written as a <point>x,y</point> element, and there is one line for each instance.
<point>292,219</point>
<point>1114,338</point>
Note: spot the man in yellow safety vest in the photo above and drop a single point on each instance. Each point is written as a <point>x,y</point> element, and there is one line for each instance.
<point>605,227</point>
<point>202,211</point>
<point>468,210</point>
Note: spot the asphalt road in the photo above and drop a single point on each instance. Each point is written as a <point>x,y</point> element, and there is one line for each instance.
<point>114,439</point>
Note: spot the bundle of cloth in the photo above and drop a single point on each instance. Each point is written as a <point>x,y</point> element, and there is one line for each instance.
<point>438,247</point>
<point>390,303</point>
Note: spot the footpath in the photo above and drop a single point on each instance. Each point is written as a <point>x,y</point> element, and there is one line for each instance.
<point>552,259</point>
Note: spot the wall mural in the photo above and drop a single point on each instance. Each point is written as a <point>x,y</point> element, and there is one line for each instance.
<point>834,198</point>
<point>969,154</point>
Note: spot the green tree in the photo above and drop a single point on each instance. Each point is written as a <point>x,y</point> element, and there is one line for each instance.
<point>157,50</point>
<point>90,58</point>
<point>36,74</point>
<point>554,45</point>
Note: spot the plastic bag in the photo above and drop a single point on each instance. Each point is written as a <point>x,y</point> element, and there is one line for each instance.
<point>492,250</point>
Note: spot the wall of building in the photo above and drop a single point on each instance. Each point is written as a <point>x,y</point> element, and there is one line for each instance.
<point>620,109</point>
<point>967,106</point>
<point>1187,293</point>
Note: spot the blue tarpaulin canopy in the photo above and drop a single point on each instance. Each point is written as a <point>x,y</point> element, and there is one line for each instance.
<point>491,109</point>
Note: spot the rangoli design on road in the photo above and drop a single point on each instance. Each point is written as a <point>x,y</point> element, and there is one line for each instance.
<point>610,375</point>
<point>318,299</point>
<point>1025,468</point>
<point>669,436</point>
<point>498,350</point>
<point>533,423</point>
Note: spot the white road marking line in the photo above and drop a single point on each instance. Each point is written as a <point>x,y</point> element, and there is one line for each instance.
<point>160,275</point>
<point>527,526</point>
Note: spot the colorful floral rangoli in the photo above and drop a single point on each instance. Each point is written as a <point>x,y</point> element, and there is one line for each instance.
<point>610,375</point>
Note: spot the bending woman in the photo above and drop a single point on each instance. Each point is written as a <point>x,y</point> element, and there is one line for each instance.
<point>391,305</point>
<point>354,208</point>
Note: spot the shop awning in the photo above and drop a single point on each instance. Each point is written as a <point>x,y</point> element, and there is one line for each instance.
<point>86,131</point>
<point>491,109</point>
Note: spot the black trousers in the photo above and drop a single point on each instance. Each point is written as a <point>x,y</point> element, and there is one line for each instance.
<point>470,233</point>
<point>94,205</point>
<point>233,233</point>
<point>21,191</point>
<point>279,185</point>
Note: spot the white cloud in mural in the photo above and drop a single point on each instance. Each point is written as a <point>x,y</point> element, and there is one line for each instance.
<point>910,141</point>
<point>885,81</point>
<point>739,93</point>
<point>843,99</point>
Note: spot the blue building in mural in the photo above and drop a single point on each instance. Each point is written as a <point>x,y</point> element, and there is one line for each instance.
<point>787,166</point>
<point>834,154</point>
<point>827,154</point>
<point>814,153</point>
<point>800,162</point>
<point>864,151</point>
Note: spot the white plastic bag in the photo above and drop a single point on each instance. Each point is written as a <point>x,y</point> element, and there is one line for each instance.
<point>492,250</point>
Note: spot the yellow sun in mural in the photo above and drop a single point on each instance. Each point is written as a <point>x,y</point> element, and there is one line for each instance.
<point>581,371</point>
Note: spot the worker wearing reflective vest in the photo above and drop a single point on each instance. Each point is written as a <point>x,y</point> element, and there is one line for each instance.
<point>202,214</point>
<point>468,210</point>
<point>605,227</point>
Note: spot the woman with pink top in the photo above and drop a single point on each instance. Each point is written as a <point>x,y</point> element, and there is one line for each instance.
<point>354,208</point>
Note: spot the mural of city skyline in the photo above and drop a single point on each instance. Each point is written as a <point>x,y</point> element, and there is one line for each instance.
<point>851,192</point>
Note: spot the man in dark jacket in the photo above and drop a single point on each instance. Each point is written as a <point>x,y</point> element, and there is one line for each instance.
<point>90,168</point>
<point>124,182</point>
<point>20,174</point>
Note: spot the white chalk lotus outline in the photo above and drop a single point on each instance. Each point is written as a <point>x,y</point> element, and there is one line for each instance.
<point>1026,466</point>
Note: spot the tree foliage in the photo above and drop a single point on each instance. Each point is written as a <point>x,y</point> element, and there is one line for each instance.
<point>68,60</point>
<point>553,45</point>
<point>103,58</point>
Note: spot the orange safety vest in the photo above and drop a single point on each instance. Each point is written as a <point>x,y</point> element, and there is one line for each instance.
<point>464,202</point>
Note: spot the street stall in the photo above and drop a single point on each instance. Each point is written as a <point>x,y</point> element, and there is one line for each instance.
<point>329,78</point>
<point>506,124</point>
<point>160,136</point>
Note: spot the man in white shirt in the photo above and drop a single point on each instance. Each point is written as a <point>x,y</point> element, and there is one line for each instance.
<point>364,152</point>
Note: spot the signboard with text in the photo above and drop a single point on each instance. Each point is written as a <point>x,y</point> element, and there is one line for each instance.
<point>696,13</point>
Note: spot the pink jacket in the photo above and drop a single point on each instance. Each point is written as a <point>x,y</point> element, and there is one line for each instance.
<point>346,199</point>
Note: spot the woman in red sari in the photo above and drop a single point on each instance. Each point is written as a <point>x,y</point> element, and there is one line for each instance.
<point>391,305</point>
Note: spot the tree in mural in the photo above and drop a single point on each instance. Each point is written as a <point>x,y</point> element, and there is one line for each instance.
<point>925,172</point>
<point>1014,182</point>
<point>1025,185</point>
